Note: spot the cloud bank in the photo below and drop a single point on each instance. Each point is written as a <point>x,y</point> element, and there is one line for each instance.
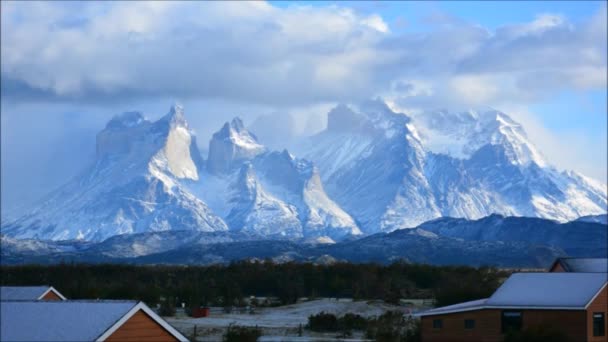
<point>299,60</point>
<point>255,52</point>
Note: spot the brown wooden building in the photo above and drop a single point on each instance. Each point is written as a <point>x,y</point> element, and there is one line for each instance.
<point>122,321</point>
<point>576,304</point>
<point>30,293</point>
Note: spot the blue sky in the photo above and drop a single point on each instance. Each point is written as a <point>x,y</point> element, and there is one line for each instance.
<point>542,62</point>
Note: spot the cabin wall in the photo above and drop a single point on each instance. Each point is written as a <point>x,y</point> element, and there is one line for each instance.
<point>600,304</point>
<point>488,325</point>
<point>141,327</point>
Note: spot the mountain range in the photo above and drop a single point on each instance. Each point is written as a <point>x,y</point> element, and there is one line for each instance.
<point>372,170</point>
<point>495,240</point>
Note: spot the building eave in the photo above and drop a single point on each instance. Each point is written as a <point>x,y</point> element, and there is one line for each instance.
<point>501,307</point>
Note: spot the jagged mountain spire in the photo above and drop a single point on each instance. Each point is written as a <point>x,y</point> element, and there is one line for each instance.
<point>232,145</point>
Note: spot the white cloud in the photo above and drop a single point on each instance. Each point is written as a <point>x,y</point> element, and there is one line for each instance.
<point>290,59</point>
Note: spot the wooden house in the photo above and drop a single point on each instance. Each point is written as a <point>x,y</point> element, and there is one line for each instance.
<point>30,293</point>
<point>123,321</point>
<point>573,304</point>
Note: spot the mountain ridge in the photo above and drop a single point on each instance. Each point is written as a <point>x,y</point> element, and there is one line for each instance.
<point>372,170</point>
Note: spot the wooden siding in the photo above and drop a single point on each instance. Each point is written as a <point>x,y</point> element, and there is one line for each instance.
<point>488,325</point>
<point>571,322</point>
<point>51,296</point>
<point>557,267</point>
<point>600,304</point>
<point>141,327</point>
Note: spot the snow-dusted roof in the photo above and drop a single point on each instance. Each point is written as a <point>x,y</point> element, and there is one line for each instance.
<point>589,265</point>
<point>560,290</point>
<point>25,292</point>
<point>564,291</point>
<point>68,320</point>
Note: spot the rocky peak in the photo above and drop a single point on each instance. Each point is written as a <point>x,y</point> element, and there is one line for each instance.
<point>125,120</point>
<point>232,145</point>
<point>176,116</point>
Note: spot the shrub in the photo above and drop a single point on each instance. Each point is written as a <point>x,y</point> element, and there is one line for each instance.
<point>352,321</point>
<point>392,326</point>
<point>322,322</point>
<point>242,334</point>
<point>167,308</point>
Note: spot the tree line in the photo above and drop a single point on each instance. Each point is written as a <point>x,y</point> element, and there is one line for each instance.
<point>229,285</point>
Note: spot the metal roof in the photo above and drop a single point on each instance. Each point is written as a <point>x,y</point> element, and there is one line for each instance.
<point>547,291</point>
<point>563,290</point>
<point>69,320</point>
<point>587,265</point>
<point>24,292</point>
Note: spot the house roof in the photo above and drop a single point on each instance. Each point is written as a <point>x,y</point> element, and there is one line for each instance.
<point>549,291</point>
<point>560,290</point>
<point>26,292</point>
<point>69,320</point>
<point>587,265</point>
<point>465,306</point>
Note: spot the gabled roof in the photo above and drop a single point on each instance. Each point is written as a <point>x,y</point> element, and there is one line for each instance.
<point>547,291</point>
<point>587,265</point>
<point>69,320</point>
<point>26,292</point>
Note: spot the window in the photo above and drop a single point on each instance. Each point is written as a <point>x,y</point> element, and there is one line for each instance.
<point>437,324</point>
<point>469,323</point>
<point>599,324</point>
<point>511,320</point>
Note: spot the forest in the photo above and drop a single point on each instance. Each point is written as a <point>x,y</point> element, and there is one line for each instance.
<point>230,285</point>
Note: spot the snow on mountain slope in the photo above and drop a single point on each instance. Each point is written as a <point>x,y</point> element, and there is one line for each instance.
<point>372,164</point>
<point>461,134</point>
<point>134,186</point>
<point>374,170</point>
<point>231,145</point>
<point>267,192</point>
<point>390,171</point>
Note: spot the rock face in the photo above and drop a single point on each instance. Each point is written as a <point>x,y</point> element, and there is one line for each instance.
<point>150,177</point>
<point>372,170</point>
<point>134,186</point>
<point>391,171</point>
<point>268,192</point>
<point>230,146</point>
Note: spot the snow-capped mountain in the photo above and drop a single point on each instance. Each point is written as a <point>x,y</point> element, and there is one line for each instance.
<point>372,170</point>
<point>150,177</point>
<point>268,192</point>
<point>391,171</point>
<point>134,186</point>
<point>372,164</point>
